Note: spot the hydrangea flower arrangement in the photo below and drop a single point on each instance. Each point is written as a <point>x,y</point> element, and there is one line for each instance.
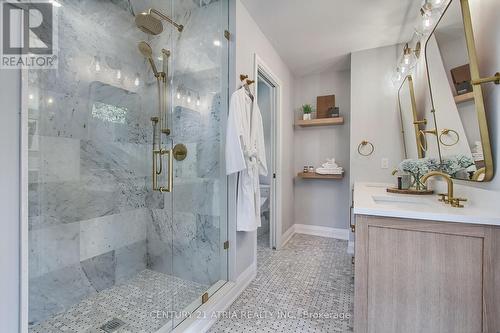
<point>457,163</point>
<point>417,168</point>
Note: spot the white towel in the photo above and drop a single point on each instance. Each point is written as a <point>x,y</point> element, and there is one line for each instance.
<point>324,171</point>
<point>330,164</point>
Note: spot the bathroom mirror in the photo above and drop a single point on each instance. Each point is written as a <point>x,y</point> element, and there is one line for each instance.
<point>461,128</point>
<point>408,115</point>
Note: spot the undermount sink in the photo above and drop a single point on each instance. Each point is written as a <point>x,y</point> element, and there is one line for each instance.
<point>386,199</point>
<point>376,185</point>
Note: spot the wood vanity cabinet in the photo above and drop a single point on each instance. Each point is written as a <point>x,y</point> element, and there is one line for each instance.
<point>415,276</point>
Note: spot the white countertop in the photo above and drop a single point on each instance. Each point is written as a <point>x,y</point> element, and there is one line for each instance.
<point>482,207</point>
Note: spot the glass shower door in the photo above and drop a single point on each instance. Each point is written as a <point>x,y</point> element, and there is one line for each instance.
<point>199,108</point>
<point>106,248</point>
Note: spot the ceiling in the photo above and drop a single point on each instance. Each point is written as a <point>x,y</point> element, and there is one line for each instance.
<point>313,35</point>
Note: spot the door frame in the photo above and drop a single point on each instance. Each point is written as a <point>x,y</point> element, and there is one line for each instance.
<point>275,219</point>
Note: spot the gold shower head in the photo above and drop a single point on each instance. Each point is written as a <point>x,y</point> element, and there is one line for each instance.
<point>148,23</point>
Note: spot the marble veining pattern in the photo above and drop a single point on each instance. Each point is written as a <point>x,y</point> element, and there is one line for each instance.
<point>312,275</point>
<point>136,302</point>
<point>94,221</point>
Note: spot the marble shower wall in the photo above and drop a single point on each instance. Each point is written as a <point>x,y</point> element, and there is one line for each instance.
<point>90,199</point>
<point>94,221</point>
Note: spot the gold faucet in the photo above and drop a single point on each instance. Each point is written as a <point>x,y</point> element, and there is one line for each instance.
<point>446,198</point>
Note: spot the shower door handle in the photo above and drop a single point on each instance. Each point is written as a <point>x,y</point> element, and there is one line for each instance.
<point>158,156</point>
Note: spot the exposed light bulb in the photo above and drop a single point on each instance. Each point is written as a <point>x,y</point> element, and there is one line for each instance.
<point>97,66</point>
<point>437,3</point>
<point>55,3</point>
<point>137,81</point>
<point>189,97</point>
<point>217,42</point>
<point>396,78</point>
<point>427,22</point>
<point>31,96</point>
<point>50,100</point>
<point>178,95</point>
<point>119,74</point>
<point>198,101</point>
<point>407,60</point>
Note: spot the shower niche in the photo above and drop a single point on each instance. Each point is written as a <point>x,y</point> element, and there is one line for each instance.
<point>104,245</point>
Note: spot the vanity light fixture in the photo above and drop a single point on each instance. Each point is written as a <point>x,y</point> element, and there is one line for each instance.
<point>409,58</point>
<point>431,9</point>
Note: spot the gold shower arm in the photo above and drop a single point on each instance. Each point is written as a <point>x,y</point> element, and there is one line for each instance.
<point>179,27</point>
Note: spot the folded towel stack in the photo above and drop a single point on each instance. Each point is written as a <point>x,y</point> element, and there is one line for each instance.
<point>330,168</point>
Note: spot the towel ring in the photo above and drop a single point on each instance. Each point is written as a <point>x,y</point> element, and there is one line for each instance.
<point>446,132</point>
<point>422,138</point>
<point>364,143</point>
<point>422,134</point>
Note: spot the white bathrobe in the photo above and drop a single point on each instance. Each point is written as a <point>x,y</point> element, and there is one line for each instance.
<point>246,155</point>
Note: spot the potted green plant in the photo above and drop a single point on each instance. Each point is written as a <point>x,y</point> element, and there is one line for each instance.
<point>307,110</point>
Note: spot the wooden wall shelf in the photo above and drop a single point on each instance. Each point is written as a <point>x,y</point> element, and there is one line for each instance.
<point>313,175</point>
<point>320,122</point>
<point>464,98</point>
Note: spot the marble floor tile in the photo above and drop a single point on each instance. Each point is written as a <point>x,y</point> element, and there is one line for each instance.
<point>308,286</point>
<point>144,303</point>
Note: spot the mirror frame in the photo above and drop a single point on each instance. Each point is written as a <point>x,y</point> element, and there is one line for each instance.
<point>477,89</point>
<point>409,79</point>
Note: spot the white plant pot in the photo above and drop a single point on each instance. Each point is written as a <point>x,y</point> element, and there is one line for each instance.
<point>307,116</point>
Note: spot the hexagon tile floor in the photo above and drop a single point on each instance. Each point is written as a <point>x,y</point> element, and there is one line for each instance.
<point>308,286</point>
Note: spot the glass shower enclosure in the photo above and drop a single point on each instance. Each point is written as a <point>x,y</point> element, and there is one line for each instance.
<point>127,191</point>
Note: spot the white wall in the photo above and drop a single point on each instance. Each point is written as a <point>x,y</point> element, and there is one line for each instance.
<point>323,202</point>
<point>375,114</point>
<point>10,90</point>
<point>250,40</point>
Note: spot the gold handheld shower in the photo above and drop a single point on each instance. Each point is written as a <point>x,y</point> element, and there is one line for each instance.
<point>147,52</point>
<point>153,26</point>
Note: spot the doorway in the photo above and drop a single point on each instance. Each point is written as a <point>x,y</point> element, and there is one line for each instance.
<point>267,97</point>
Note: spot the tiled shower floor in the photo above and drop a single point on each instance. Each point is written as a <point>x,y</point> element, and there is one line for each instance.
<point>309,277</point>
<point>143,303</point>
